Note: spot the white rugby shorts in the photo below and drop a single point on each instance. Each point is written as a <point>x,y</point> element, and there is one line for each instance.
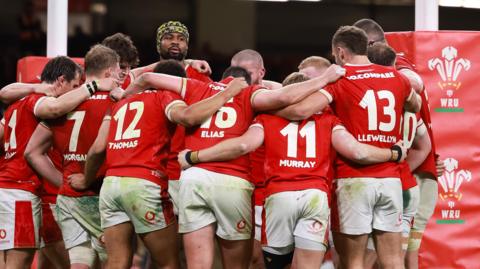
<point>20,217</point>
<point>297,219</point>
<point>363,204</point>
<point>207,197</point>
<point>136,200</point>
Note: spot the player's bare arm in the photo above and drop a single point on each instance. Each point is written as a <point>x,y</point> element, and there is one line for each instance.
<point>16,91</point>
<point>135,73</point>
<point>294,93</point>
<point>413,103</point>
<point>420,148</point>
<point>37,157</point>
<point>51,107</point>
<point>307,107</point>
<point>199,112</point>
<point>154,80</point>
<point>199,65</point>
<point>95,159</point>
<point>226,150</point>
<point>347,146</point>
<point>271,85</point>
<point>415,80</point>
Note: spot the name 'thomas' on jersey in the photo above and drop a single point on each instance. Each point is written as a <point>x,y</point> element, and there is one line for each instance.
<point>298,154</point>
<point>231,120</point>
<point>139,136</point>
<point>369,101</point>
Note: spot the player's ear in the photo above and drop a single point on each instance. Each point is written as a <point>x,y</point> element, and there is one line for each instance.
<point>262,72</point>
<point>60,81</point>
<point>108,73</point>
<point>341,53</point>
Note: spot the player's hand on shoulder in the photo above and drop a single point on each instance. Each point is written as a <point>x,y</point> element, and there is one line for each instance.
<point>236,85</point>
<point>77,182</point>
<point>107,84</point>
<point>117,94</point>
<point>201,66</point>
<point>182,160</point>
<point>333,73</point>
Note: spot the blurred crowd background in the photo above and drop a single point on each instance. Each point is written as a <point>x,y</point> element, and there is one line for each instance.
<point>284,32</point>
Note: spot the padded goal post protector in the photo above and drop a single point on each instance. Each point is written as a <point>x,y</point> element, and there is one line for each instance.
<point>29,68</point>
<point>449,64</point>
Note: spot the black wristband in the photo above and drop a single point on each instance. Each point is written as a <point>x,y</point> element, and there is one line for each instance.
<point>89,88</point>
<point>95,86</point>
<point>188,158</point>
<point>398,149</point>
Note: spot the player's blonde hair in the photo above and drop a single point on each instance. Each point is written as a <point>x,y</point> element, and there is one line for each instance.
<point>314,61</point>
<point>293,78</point>
<point>99,58</point>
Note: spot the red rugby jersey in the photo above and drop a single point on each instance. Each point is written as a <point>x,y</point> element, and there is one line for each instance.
<point>298,154</point>
<point>194,74</point>
<point>139,136</point>
<point>232,120</point>
<point>402,62</point>
<point>20,122</point>
<point>257,174</point>
<point>178,140</point>
<point>428,166</point>
<point>74,134</point>
<point>411,122</point>
<point>369,101</point>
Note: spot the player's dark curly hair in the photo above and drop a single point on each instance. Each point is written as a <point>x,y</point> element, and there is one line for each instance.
<point>123,45</point>
<point>170,67</point>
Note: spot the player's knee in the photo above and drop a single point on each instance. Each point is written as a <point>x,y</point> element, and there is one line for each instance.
<point>280,258</point>
<point>82,254</point>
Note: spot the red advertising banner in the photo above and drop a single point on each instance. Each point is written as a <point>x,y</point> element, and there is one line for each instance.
<point>449,63</point>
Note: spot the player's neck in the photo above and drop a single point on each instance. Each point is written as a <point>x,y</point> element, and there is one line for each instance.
<point>358,59</point>
<point>91,78</point>
<point>183,63</point>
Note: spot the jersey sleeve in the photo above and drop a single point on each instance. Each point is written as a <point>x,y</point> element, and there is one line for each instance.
<point>167,100</point>
<point>336,123</point>
<point>330,92</point>
<point>258,121</point>
<point>34,101</point>
<point>407,86</point>
<point>403,63</point>
<point>192,89</point>
<point>254,90</point>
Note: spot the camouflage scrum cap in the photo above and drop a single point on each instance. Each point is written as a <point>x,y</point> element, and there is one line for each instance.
<point>171,27</point>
